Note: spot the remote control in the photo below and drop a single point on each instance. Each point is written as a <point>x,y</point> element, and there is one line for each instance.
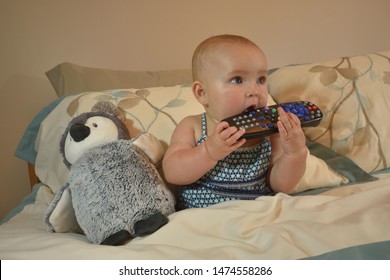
<point>261,122</point>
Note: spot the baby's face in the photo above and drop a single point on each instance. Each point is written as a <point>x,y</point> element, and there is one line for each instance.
<point>235,80</point>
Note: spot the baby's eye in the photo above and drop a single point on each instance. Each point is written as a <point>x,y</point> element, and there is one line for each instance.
<point>236,80</point>
<point>262,80</point>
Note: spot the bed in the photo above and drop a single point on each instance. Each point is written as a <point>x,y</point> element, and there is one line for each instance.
<point>340,210</point>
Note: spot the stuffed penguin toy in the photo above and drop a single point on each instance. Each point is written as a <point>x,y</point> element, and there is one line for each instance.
<point>116,192</point>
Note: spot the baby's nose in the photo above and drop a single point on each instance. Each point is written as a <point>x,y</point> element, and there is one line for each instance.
<point>252,90</point>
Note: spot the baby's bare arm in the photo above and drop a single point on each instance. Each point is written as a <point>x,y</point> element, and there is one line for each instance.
<point>289,152</point>
<point>184,162</point>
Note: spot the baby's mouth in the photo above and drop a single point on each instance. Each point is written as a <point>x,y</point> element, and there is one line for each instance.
<point>250,108</point>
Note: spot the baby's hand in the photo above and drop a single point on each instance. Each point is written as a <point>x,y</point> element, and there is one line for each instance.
<point>224,140</point>
<point>291,133</point>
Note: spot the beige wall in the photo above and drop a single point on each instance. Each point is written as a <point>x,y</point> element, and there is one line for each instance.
<point>153,35</point>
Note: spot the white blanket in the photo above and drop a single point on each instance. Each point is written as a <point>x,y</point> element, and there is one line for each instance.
<point>279,227</point>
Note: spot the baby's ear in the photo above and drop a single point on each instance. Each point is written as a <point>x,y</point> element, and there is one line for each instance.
<point>199,92</point>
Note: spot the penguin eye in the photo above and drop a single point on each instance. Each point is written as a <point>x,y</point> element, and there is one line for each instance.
<point>95,125</point>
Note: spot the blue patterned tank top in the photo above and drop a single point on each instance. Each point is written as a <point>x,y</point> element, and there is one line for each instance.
<point>240,175</point>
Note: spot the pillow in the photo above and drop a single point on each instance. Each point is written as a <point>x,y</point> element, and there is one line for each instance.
<point>68,78</point>
<point>354,95</point>
<point>26,147</point>
<point>318,174</point>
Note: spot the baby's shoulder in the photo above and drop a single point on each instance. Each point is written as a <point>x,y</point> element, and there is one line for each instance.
<point>192,120</point>
<point>190,126</point>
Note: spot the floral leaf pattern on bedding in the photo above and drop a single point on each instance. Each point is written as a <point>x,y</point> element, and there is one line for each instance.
<point>176,103</point>
<point>125,100</point>
<point>354,95</point>
<point>350,89</point>
<point>73,106</point>
<point>329,74</point>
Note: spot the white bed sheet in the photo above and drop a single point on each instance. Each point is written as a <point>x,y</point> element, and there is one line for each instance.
<point>279,227</point>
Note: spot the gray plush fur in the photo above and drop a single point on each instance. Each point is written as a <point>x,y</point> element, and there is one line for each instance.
<point>113,186</point>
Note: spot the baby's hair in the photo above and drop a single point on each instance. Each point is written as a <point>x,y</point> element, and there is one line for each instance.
<point>203,49</point>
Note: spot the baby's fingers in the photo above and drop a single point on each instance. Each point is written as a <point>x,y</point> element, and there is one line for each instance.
<point>221,127</point>
<point>294,119</point>
<point>235,137</point>
<point>231,135</point>
<point>289,120</point>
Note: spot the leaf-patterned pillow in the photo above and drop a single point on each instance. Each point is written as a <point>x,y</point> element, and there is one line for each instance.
<point>354,95</point>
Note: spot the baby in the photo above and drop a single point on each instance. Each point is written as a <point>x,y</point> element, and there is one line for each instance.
<point>207,157</point>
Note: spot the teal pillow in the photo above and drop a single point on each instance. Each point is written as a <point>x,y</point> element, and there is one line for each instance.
<point>26,147</point>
